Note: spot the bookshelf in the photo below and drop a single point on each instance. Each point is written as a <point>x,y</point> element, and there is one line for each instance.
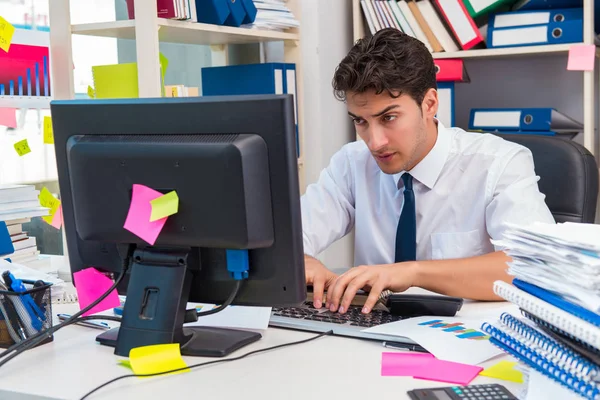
<point>154,30</point>
<point>588,95</point>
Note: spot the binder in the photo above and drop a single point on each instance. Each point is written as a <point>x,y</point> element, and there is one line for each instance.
<point>551,33</point>
<point>412,21</point>
<point>423,24</point>
<point>374,15</point>
<point>6,245</point>
<point>402,21</point>
<point>251,11</point>
<point>436,25</point>
<point>237,14</point>
<point>212,11</point>
<point>561,320</point>
<point>460,22</point>
<point>522,119</point>
<point>290,87</point>
<point>450,70</point>
<point>477,8</point>
<point>544,4</point>
<point>372,29</point>
<point>545,355</point>
<point>445,113</point>
<point>537,17</point>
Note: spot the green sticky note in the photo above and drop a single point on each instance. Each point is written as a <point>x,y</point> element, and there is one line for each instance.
<point>116,81</point>
<point>164,64</point>
<point>164,206</point>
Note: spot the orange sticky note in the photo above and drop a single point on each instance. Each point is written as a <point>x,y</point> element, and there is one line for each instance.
<point>22,147</point>
<point>8,117</point>
<point>581,57</point>
<point>156,359</point>
<point>91,284</point>
<point>6,34</point>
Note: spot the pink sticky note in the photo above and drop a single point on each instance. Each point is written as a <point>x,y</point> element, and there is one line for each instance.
<point>57,219</point>
<point>404,364</point>
<point>91,284</point>
<point>8,117</point>
<point>449,372</point>
<point>581,57</point>
<point>138,218</point>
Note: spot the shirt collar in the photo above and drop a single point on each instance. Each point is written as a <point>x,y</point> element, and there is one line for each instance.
<point>428,170</point>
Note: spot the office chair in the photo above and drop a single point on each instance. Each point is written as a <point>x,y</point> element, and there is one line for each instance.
<point>568,176</point>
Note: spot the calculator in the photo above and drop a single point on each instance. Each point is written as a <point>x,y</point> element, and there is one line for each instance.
<point>474,392</point>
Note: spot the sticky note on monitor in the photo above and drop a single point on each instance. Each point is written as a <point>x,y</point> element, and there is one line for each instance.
<point>91,284</point>
<point>156,359</point>
<point>22,147</point>
<point>138,218</point>
<point>48,131</point>
<point>582,57</point>
<point>6,34</point>
<point>48,200</point>
<point>164,206</point>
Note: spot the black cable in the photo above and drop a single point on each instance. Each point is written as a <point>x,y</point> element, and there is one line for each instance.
<point>227,303</point>
<point>204,364</point>
<point>39,337</point>
<point>99,317</point>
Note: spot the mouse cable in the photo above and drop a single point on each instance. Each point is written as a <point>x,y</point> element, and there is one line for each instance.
<point>204,364</point>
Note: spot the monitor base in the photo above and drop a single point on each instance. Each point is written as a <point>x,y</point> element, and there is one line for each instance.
<point>202,342</point>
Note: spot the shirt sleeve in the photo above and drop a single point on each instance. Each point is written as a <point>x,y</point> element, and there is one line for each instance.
<point>328,206</point>
<point>516,197</point>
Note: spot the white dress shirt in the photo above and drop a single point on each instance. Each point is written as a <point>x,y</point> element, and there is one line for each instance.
<point>467,188</point>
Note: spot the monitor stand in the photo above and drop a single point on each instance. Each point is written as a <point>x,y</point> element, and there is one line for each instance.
<point>154,312</point>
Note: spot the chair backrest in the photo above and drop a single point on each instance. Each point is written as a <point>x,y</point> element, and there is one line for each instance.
<point>568,176</point>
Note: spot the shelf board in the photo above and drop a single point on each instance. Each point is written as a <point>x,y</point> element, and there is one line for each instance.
<point>185,32</point>
<point>24,102</point>
<point>507,51</point>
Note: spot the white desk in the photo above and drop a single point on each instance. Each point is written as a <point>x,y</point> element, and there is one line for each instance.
<point>330,367</point>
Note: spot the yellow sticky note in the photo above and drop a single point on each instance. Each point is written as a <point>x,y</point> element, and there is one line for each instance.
<point>91,92</point>
<point>164,206</point>
<point>6,34</point>
<point>48,131</point>
<point>125,363</point>
<point>49,201</point>
<point>116,81</point>
<point>22,147</point>
<point>504,370</point>
<point>156,358</point>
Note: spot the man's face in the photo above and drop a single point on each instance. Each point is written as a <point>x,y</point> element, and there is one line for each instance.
<point>394,129</point>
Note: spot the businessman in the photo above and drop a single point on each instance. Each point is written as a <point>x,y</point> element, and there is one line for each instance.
<point>424,199</point>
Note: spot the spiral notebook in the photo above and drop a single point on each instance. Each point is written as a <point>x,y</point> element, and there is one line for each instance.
<point>568,323</point>
<point>546,355</point>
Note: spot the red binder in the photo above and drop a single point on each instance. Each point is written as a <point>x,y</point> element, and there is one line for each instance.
<point>460,22</point>
<point>450,70</point>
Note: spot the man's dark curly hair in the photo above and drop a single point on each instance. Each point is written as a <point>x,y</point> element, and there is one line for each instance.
<point>389,61</point>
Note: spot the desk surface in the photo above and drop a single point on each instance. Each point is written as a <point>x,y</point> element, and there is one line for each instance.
<point>330,367</point>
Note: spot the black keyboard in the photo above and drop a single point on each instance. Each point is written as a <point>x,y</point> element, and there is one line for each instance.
<point>353,316</point>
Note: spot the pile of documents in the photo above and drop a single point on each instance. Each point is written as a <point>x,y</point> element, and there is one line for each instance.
<point>273,15</point>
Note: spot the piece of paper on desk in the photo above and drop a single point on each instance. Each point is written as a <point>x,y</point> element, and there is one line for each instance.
<point>403,363</point>
<point>6,34</point>
<point>91,284</point>
<point>157,358</point>
<point>582,57</point>
<point>22,147</point>
<point>241,317</point>
<point>24,272</point>
<point>504,370</point>
<point>164,206</point>
<point>140,209</point>
<point>8,117</point>
<point>447,338</point>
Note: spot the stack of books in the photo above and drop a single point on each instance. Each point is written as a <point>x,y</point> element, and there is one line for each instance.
<point>453,25</point>
<point>18,204</point>
<point>556,285</point>
<point>273,15</point>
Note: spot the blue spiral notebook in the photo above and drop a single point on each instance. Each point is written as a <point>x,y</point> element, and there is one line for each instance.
<point>545,355</point>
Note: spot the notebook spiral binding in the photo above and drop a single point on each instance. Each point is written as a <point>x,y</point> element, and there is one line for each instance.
<point>545,366</point>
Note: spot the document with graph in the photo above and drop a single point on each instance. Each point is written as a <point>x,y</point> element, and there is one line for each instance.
<point>454,339</point>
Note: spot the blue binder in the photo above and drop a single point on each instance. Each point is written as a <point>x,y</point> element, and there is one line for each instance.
<point>534,17</point>
<point>212,11</point>
<point>544,4</point>
<point>237,13</point>
<point>291,87</point>
<point>6,246</point>
<point>446,112</point>
<point>251,11</point>
<point>522,119</point>
<point>533,35</point>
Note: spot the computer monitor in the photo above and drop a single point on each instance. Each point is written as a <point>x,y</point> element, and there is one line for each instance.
<point>231,160</point>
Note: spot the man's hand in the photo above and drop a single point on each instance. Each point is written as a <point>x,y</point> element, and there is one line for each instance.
<point>319,277</point>
<point>396,277</point>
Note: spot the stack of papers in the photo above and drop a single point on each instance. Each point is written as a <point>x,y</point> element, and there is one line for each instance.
<point>273,15</point>
<point>562,258</point>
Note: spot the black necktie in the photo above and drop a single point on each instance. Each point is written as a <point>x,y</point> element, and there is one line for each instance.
<point>406,234</point>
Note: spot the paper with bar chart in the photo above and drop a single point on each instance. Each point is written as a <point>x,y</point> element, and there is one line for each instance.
<point>25,71</point>
<point>447,338</point>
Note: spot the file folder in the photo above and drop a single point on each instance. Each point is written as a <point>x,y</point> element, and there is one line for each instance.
<point>460,22</point>
<point>522,119</point>
<point>477,8</point>
<point>290,87</point>
<point>237,13</point>
<point>544,4</point>
<point>537,17</point>
<point>450,70</point>
<point>445,113</point>
<point>212,11</point>
<point>552,33</point>
<point>251,11</point>
<point>6,246</point>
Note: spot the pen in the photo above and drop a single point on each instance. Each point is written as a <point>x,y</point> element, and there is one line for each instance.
<point>404,346</point>
<point>89,324</point>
